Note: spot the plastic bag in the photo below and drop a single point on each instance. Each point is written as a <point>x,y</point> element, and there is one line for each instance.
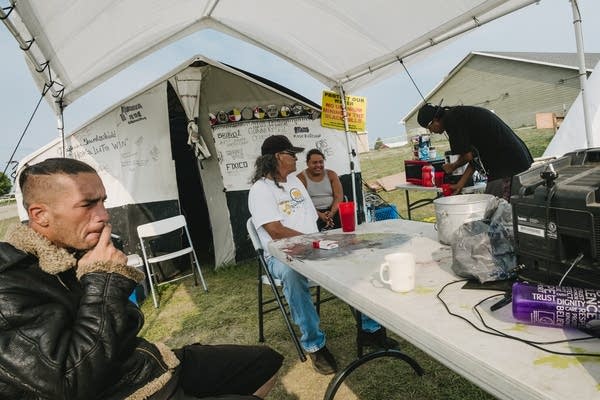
<point>485,249</point>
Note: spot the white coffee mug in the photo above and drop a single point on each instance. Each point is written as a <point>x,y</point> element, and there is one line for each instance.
<point>400,268</point>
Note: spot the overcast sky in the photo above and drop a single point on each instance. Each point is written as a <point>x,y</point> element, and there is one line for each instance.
<point>545,27</point>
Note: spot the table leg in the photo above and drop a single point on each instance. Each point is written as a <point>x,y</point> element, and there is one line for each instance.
<point>361,358</point>
<point>419,203</point>
<point>339,378</point>
<point>407,204</point>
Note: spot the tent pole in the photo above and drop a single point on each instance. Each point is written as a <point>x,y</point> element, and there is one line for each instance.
<point>582,73</point>
<point>60,123</point>
<point>351,152</point>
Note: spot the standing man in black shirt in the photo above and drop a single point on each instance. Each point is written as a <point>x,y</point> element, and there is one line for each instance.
<point>481,139</point>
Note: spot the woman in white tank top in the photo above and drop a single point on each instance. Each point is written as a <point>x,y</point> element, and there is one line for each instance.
<point>324,187</point>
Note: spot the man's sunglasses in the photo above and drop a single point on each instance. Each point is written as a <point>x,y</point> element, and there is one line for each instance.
<point>289,153</point>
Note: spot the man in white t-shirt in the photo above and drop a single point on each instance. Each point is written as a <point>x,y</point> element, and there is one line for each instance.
<point>281,207</point>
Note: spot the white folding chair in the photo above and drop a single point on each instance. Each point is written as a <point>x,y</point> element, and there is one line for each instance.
<point>265,278</point>
<point>163,227</point>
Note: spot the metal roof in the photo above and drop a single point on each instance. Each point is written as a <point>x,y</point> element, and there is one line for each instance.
<point>564,60</point>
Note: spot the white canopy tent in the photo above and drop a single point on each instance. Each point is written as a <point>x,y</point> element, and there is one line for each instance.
<point>75,45</point>
<point>78,44</point>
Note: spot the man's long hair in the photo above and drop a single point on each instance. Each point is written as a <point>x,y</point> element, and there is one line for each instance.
<point>266,166</point>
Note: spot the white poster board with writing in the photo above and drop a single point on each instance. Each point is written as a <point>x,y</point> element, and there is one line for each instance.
<point>130,147</point>
<point>238,146</point>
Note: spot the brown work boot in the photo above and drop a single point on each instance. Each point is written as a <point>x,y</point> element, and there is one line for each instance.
<point>323,361</point>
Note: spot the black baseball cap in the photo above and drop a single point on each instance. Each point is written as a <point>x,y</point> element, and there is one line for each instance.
<point>428,112</point>
<point>278,143</point>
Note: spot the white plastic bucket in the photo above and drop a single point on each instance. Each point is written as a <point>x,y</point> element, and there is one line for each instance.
<point>453,211</point>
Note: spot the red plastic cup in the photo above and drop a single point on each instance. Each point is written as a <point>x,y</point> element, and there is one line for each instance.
<point>346,210</point>
<point>439,178</point>
<point>446,189</point>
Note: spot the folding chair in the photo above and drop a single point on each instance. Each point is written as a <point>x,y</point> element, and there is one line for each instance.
<point>265,278</point>
<point>163,227</point>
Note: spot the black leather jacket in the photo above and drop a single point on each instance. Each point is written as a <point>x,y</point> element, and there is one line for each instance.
<point>69,333</point>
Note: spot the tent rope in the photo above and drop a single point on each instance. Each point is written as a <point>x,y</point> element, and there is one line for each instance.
<point>44,91</point>
<point>411,78</point>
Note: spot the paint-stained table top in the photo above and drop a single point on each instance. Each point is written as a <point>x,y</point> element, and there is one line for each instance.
<point>506,368</point>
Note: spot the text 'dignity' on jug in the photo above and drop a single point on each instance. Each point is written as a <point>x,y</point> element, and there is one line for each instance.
<point>558,306</point>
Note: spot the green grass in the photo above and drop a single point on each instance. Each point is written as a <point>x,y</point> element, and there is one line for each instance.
<point>228,314</point>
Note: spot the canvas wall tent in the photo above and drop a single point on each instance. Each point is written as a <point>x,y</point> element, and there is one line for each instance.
<point>140,148</point>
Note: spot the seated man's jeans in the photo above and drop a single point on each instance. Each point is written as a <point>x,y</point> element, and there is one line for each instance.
<point>304,314</point>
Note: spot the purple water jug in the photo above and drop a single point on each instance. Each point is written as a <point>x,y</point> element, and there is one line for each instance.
<point>558,306</point>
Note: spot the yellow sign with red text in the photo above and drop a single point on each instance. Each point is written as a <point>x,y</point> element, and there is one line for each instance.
<point>333,117</point>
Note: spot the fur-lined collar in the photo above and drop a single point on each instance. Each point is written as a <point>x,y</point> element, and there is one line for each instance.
<point>52,259</point>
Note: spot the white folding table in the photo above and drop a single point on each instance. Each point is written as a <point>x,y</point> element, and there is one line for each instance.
<point>506,368</point>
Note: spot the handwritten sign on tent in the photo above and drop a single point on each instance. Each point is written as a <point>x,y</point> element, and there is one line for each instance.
<point>238,146</point>
<point>332,116</point>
